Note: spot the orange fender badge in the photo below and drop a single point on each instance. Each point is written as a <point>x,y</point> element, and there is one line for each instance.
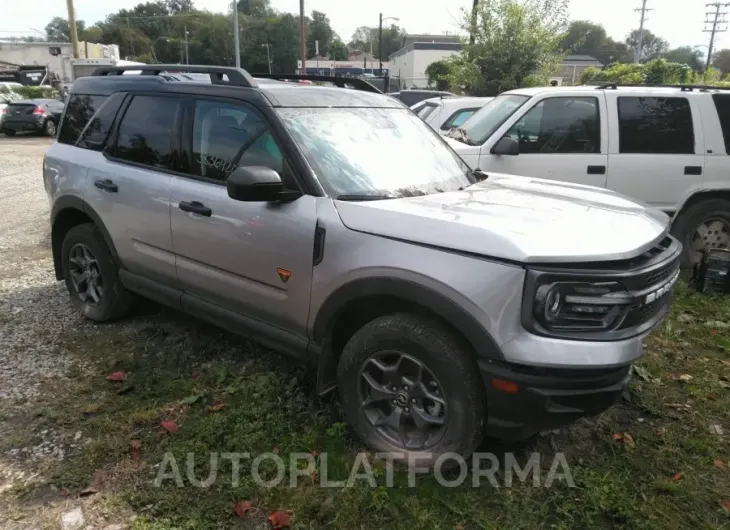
<point>284,274</point>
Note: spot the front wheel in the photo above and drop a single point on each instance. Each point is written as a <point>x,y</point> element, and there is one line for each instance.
<point>409,386</point>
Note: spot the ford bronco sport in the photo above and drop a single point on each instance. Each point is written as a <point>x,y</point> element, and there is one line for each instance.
<point>334,225</point>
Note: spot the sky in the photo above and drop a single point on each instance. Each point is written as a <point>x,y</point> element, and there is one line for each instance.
<point>678,21</point>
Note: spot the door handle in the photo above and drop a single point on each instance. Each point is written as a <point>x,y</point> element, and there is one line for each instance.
<point>693,170</point>
<point>106,185</point>
<point>195,207</point>
<point>596,170</point>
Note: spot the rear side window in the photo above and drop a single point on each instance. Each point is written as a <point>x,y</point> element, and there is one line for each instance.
<point>145,132</point>
<point>655,125</point>
<point>79,110</point>
<point>457,118</point>
<point>96,131</point>
<point>722,104</point>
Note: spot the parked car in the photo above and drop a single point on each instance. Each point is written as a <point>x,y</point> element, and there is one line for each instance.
<point>667,146</point>
<point>5,86</point>
<point>32,115</point>
<point>334,225</point>
<point>412,96</point>
<point>443,114</point>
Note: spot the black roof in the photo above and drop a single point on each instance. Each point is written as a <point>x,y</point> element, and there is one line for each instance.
<point>214,81</point>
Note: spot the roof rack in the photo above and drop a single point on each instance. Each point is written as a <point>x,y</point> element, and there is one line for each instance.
<point>683,88</point>
<point>236,76</point>
<point>354,82</point>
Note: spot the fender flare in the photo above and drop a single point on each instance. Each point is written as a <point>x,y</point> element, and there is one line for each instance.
<point>478,338</point>
<point>72,202</point>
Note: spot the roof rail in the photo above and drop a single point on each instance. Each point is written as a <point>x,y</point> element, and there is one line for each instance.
<point>354,82</point>
<point>236,76</point>
<point>683,88</point>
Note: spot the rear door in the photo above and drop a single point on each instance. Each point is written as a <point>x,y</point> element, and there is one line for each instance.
<point>657,148</point>
<point>129,184</point>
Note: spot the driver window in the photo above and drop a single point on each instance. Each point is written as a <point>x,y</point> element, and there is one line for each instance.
<point>559,125</point>
<point>227,136</point>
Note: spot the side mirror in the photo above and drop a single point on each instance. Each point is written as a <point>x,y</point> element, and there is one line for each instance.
<point>254,183</point>
<point>506,146</point>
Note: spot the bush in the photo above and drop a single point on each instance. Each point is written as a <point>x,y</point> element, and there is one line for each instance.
<point>656,72</point>
<point>28,92</point>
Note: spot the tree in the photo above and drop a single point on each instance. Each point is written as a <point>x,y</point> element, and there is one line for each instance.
<point>721,61</point>
<point>319,30</point>
<point>339,51</point>
<point>652,47</point>
<point>255,8</point>
<point>516,43</point>
<point>438,74</point>
<point>586,38</point>
<point>366,38</point>
<point>59,30</point>
<point>686,55</point>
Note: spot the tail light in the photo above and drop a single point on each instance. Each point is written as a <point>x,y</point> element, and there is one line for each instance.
<point>39,110</point>
<point>5,110</point>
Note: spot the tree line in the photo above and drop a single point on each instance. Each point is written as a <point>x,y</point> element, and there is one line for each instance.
<point>157,31</point>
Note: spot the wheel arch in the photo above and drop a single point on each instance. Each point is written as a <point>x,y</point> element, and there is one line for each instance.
<point>699,196</point>
<point>354,304</point>
<point>69,211</point>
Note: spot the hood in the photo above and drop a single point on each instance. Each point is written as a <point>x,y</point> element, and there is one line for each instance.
<point>521,219</point>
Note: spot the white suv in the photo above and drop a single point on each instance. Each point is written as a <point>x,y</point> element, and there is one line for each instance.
<point>667,146</point>
<point>444,113</point>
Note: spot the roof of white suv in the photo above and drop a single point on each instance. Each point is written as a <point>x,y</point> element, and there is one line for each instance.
<point>644,89</point>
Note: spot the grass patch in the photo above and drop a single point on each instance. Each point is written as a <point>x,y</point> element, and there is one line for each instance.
<point>178,369</point>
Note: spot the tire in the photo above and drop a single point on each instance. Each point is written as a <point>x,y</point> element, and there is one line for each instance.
<point>445,356</point>
<point>49,128</point>
<point>114,301</point>
<point>686,224</point>
<point>10,133</point>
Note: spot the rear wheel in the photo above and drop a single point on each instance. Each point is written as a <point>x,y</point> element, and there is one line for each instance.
<point>49,128</point>
<point>9,133</point>
<point>408,385</point>
<point>91,275</point>
<point>703,225</point>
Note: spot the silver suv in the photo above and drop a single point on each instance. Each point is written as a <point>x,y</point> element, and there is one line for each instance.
<point>334,225</point>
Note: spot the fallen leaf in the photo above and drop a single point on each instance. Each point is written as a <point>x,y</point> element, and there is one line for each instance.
<point>241,507</point>
<point>726,362</point>
<point>677,476</point>
<point>315,453</point>
<point>459,527</point>
<point>719,464</point>
<point>726,505</point>
<point>276,450</point>
<point>170,426</point>
<point>661,431</point>
<point>716,429</point>
<point>216,407</point>
<point>618,436</point>
<point>88,491</point>
<point>279,520</point>
<point>189,400</point>
<point>64,492</point>
<point>117,376</point>
<point>712,396</point>
<point>136,451</point>
<point>641,372</point>
<point>686,378</point>
<point>713,332</point>
<point>629,440</point>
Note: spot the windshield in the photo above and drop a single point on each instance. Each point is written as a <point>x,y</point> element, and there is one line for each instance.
<point>375,151</point>
<point>489,118</point>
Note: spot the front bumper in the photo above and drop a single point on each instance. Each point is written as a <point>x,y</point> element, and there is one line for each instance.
<point>522,400</point>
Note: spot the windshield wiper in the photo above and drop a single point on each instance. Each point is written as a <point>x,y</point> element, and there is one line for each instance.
<point>362,197</point>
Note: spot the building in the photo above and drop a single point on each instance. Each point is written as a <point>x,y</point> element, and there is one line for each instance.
<point>56,56</point>
<point>358,65</point>
<point>418,51</point>
<point>574,65</point>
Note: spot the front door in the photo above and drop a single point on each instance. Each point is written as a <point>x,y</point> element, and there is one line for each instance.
<point>657,149</point>
<point>252,258</point>
<point>561,138</point>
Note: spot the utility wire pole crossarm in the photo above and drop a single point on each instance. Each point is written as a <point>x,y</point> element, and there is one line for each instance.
<point>716,19</point>
<point>640,38</point>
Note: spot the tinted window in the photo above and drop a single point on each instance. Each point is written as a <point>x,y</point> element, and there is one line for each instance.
<point>227,136</point>
<point>655,125</point>
<point>458,118</point>
<point>559,125</point>
<point>722,104</point>
<point>95,134</point>
<point>79,110</point>
<point>145,133</point>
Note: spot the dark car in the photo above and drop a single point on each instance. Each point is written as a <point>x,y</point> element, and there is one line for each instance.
<point>32,115</point>
<point>413,96</point>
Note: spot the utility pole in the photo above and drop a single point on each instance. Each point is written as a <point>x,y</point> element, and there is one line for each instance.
<point>380,43</point>
<point>640,39</point>
<point>187,56</point>
<point>236,42</point>
<point>717,19</point>
<point>302,38</point>
<point>72,26</point>
<point>473,20</point>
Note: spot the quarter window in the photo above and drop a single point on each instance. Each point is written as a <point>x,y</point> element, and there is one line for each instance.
<point>559,125</point>
<point>227,136</point>
<point>145,133</point>
<point>457,118</point>
<point>655,125</point>
<point>79,110</point>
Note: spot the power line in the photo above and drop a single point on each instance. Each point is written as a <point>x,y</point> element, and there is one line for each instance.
<point>717,19</point>
<point>640,39</point>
